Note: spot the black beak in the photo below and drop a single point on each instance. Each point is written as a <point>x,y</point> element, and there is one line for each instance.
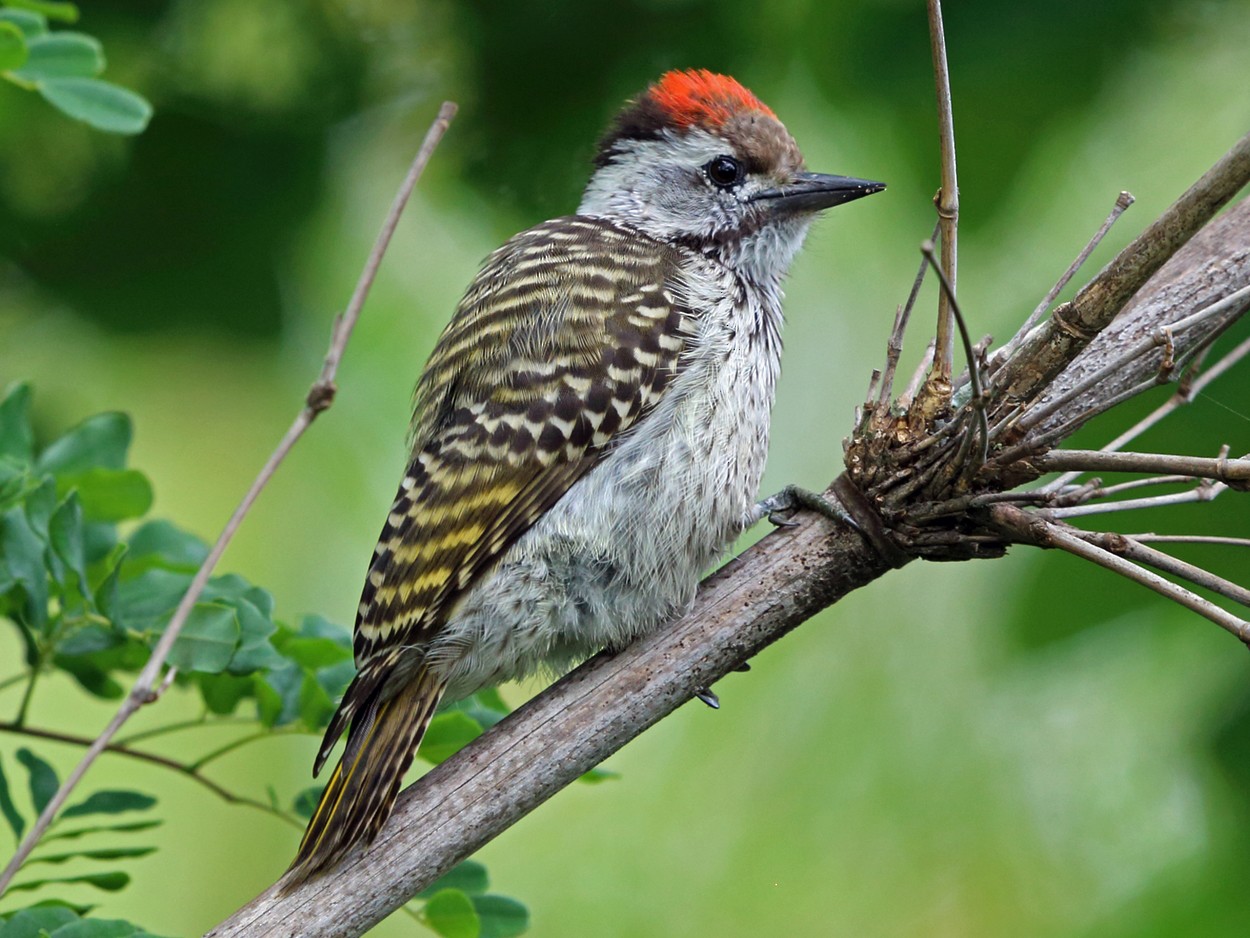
<point>813,192</point>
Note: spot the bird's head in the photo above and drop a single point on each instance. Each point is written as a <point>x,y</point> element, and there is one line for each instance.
<point>698,160</point>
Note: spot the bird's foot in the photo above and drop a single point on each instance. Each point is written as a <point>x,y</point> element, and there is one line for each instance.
<point>779,508</point>
<point>705,694</point>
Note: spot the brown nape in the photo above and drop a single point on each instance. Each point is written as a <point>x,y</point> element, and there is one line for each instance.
<point>764,143</point>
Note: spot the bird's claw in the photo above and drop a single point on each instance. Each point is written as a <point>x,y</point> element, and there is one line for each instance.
<point>705,694</point>
<point>778,508</point>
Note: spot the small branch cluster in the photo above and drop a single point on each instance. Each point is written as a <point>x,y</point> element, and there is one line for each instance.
<point>943,487</point>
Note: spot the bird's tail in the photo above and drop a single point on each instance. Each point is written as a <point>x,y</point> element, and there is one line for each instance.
<point>361,792</point>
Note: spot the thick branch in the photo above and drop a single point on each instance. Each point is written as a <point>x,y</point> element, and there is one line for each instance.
<point>783,580</point>
<point>754,600</point>
<point>1053,345</point>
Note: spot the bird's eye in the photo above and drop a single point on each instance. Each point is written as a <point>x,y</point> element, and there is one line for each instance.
<point>724,171</point>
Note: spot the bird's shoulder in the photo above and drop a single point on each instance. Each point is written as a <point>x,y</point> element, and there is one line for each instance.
<point>570,334</point>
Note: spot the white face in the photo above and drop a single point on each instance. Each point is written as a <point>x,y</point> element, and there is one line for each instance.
<point>681,188</point>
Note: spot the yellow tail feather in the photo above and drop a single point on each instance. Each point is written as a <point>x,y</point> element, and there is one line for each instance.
<point>361,791</point>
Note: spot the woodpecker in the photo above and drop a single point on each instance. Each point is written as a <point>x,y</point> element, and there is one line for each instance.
<point>589,432</point>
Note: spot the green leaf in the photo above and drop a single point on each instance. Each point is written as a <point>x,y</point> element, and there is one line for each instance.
<point>314,626</point>
<point>501,917</point>
<point>13,51</point>
<point>109,882</point>
<point>110,801</point>
<point>468,876</point>
<point>160,543</point>
<point>305,803</point>
<point>223,692</point>
<point>109,494</point>
<point>16,482</point>
<point>31,24</point>
<point>335,678</point>
<point>315,705</point>
<point>450,913</point>
<point>595,776</point>
<point>207,640</point>
<point>21,551</point>
<point>100,104</point>
<point>36,921</point>
<point>277,695</point>
<point>43,780</point>
<point>53,10</point>
<point>314,653</point>
<point>448,734</point>
<point>62,55</point>
<point>255,651</point>
<point>16,822</point>
<point>90,676</point>
<point>65,536</point>
<point>99,441</point>
<point>114,853</point>
<point>132,827</point>
<point>100,928</point>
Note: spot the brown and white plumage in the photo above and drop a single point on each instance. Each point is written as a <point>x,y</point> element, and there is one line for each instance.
<point>590,432</point>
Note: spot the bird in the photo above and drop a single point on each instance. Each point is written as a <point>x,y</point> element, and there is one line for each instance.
<point>589,432</point>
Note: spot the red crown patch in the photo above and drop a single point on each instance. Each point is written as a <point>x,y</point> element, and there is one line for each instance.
<point>698,96</point>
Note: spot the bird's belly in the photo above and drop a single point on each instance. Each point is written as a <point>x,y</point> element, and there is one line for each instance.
<point>623,551</point>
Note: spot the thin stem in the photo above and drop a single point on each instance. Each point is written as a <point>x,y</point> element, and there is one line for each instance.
<point>1110,491</point>
<point>1161,337</point>
<point>1187,598</point>
<point>1190,539</point>
<point>894,348</point>
<point>1096,460</point>
<point>947,201</point>
<point>1203,492</point>
<point>232,746</point>
<point>926,361</point>
<point>976,403</point>
<point>320,397</point>
<point>28,693</point>
<point>153,759</point>
<point>201,720</point>
<point>1185,394</point>
<point>1122,202</point>
<point>12,679</point>
<point>1030,528</point>
<point>1126,547</point>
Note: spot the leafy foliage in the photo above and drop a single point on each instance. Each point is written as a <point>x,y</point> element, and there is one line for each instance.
<point>64,67</point>
<point>90,599</point>
<point>42,783</point>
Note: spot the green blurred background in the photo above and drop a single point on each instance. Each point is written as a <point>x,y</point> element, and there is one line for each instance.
<point>1020,747</point>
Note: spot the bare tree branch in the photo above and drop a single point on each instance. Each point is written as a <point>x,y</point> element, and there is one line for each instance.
<point>892,485</point>
<point>320,397</point>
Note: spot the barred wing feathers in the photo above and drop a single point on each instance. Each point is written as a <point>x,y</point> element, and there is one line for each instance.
<point>568,336</point>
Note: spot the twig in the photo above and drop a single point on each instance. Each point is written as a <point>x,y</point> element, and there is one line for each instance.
<point>1124,546</point>
<point>913,386</point>
<point>947,200</point>
<point>1109,491</point>
<point>153,758</point>
<point>976,403</point>
<point>1190,387</point>
<point>1122,202</point>
<point>1152,538</point>
<point>1054,344</point>
<point>1031,529</point>
<point>1096,460</point>
<point>894,348</point>
<point>1164,336</point>
<point>319,398</point>
<point>1203,492</point>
